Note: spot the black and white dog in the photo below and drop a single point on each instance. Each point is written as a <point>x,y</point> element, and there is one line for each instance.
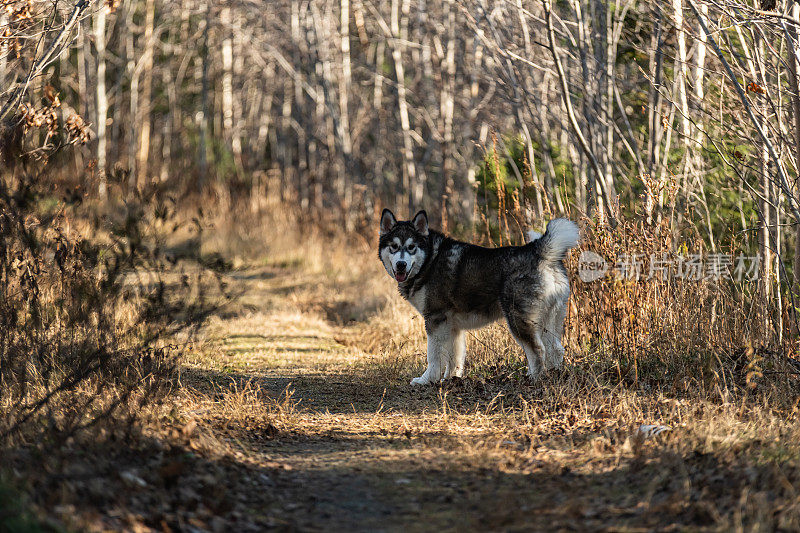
<point>457,286</point>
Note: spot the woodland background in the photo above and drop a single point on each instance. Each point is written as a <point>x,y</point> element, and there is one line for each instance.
<point>680,110</point>
<point>354,103</point>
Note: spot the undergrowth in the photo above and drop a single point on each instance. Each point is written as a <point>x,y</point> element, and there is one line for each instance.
<point>90,303</point>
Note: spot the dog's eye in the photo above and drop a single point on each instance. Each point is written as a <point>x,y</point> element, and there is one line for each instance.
<point>393,248</point>
<point>412,249</point>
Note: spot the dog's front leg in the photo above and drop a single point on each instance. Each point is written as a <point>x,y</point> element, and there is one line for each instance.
<point>440,345</point>
<point>455,361</point>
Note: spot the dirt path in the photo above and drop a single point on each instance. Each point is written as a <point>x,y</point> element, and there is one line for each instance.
<point>343,451</point>
<point>338,448</point>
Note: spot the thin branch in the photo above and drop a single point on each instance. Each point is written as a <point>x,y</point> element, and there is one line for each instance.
<point>571,114</point>
<point>48,57</point>
<point>784,182</point>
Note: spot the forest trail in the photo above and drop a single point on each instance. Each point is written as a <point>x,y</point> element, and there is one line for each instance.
<point>324,441</point>
<point>275,386</point>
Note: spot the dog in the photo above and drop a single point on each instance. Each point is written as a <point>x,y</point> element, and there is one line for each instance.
<point>457,286</point>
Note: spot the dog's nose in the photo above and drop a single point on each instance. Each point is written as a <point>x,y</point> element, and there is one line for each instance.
<point>400,266</point>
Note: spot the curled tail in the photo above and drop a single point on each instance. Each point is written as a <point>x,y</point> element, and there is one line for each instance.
<point>533,235</point>
<point>561,235</point>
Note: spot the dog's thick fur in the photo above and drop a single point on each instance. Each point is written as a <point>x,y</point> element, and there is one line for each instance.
<point>457,286</point>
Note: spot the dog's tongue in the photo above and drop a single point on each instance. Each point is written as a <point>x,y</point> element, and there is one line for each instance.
<point>401,277</point>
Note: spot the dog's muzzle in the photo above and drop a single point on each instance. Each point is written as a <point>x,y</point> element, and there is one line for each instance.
<point>400,273</point>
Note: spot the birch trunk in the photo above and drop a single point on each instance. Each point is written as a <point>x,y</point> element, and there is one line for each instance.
<point>794,84</point>
<point>303,149</point>
<point>83,84</point>
<point>204,107</point>
<point>346,190</point>
<point>767,195</point>
<point>409,170</point>
<point>447,107</point>
<point>605,20</point>
<point>238,95</point>
<point>4,50</point>
<point>102,101</point>
<point>681,73</point>
<point>166,125</point>
<point>227,76</point>
<point>654,107</point>
<point>695,163</point>
<point>147,88</point>
<point>133,103</point>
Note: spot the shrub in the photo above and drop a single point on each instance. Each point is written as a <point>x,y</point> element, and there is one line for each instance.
<point>85,310</point>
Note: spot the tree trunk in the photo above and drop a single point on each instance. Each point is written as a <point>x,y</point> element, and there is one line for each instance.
<point>654,104</point>
<point>681,73</point>
<point>231,139</point>
<point>239,95</point>
<point>767,194</point>
<point>346,190</point>
<point>695,164</point>
<point>147,87</point>
<point>102,101</point>
<point>133,102</point>
<point>166,125</point>
<point>794,84</point>
<point>447,106</point>
<point>204,103</point>
<point>4,50</point>
<point>409,170</point>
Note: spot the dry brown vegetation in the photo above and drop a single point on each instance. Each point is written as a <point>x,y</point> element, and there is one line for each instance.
<point>292,410</point>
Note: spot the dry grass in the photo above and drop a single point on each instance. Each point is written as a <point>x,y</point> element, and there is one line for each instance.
<point>295,399</point>
<point>84,314</point>
<point>567,447</point>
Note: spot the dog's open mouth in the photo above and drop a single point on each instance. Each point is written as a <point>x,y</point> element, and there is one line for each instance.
<point>400,276</point>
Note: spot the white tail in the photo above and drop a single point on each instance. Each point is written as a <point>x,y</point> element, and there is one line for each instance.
<point>533,235</point>
<point>561,235</point>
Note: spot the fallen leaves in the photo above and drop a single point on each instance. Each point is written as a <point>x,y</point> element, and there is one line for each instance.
<point>754,87</point>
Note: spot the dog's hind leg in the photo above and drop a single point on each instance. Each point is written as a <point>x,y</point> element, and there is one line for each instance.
<point>440,349</point>
<point>455,364</point>
<point>554,329</point>
<point>535,353</point>
<point>527,331</point>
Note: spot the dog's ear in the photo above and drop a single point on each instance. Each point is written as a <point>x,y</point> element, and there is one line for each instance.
<point>420,222</point>
<point>387,221</point>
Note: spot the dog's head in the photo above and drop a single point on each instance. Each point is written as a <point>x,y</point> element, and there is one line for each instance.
<point>403,245</point>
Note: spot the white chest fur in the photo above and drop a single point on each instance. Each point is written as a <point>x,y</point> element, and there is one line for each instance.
<point>417,299</point>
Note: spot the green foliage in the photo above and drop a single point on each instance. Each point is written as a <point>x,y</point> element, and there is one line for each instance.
<point>497,170</point>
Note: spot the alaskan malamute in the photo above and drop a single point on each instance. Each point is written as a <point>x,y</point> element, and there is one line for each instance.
<point>457,286</point>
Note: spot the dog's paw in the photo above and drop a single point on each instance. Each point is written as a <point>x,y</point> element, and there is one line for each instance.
<point>422,380</point>
<point>534,376</point>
